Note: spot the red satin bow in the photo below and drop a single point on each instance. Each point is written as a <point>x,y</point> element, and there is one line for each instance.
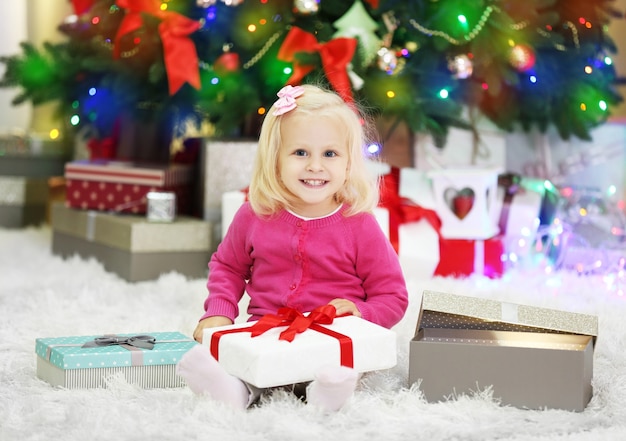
<point>102,148</point>
<point>402,210</point>
<point>298,322</point>
<point>179,51</point>
<point>82,6</point>
<point>335,54</point>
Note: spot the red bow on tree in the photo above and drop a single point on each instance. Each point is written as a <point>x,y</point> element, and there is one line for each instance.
<point>402,210</point>
<point>335,54</point>
<point>179,51</point>
<point>82,6</point>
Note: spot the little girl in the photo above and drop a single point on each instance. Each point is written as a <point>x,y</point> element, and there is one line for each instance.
<point>306,238</point>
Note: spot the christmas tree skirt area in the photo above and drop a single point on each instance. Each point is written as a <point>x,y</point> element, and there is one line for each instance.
<point>44,295</point>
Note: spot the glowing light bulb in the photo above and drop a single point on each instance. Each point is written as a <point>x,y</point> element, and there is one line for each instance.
<point>54,133</point>
<point>603,105</point>
<point>75,120</point>
<point>443,93</point>
<point>391,94</point>
<point>92,91</point>
<point>373,149</point>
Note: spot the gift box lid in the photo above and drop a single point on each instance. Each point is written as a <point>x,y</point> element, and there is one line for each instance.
<point>132,232</point>
<point>445,310</point>
<point>152,175</point>
<point>68,353</point>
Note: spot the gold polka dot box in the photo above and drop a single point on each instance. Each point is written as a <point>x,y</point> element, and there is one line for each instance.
<point>147,360</point>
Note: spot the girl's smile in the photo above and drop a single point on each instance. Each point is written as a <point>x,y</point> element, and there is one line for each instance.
<point>313,163</point>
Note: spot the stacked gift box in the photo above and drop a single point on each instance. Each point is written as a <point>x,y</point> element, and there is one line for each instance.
<point>133,218</point>
<point>26,165</point>
<point>122,187</point>
<point>133,246</point>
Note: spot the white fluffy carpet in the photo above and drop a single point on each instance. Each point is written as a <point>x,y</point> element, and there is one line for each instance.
<point>44,296</point>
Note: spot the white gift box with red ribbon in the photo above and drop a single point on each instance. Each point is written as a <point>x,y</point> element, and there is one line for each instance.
<point>268,361</point>
<point>418,243</point>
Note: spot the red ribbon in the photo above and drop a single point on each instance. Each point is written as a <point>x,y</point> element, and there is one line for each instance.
<point>82,6</point>
<point>179,52</point>
<point>102,148</point>
<point>372,3</point>
<point>297,323</point>
<point>402,210</point>
<point>335,54</point>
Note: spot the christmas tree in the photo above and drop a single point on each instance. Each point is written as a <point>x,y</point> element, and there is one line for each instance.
<point>219,63</point>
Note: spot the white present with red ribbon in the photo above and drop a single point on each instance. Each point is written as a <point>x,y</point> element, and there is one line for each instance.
<point>290,347</point>
<point>407,216</point>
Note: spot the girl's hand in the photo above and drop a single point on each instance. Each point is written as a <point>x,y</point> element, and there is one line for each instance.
<point>210,322</point>
<point>345,307</point>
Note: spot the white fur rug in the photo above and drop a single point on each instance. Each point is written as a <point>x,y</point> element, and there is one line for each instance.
<point>44,296</point>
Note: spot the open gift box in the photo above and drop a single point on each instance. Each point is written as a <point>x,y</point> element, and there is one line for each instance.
<point>531,357</point>
<point>266,360</point>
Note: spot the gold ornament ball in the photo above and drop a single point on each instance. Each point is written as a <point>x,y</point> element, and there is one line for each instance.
<point>306,7</point>
<point>522,57</point>
<point>387,60</point>
<point>461,66</point>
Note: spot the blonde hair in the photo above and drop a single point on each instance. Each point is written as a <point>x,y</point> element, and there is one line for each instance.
<point>268,195</point>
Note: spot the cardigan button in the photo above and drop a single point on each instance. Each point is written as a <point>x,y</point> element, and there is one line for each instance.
<point>299,223</point>
<point>293,286</point>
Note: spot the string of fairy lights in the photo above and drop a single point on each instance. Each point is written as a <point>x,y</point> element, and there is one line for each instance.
<point>387,58</point>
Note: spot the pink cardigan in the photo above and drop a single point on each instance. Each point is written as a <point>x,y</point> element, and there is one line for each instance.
<point>288,261</point>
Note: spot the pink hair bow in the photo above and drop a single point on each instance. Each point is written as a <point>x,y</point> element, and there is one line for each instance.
<point>287,99</point>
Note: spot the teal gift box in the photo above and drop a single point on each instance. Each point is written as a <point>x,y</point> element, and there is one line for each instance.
<point>146,360</point>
